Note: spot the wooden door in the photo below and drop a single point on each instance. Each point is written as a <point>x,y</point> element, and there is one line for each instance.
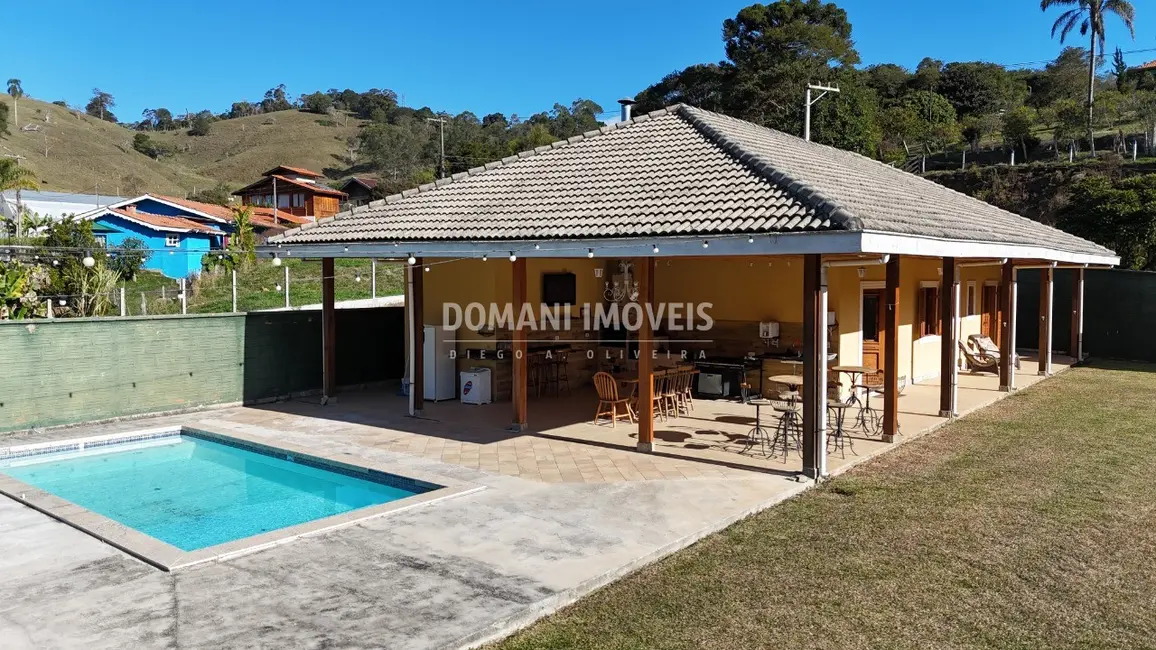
<point>989,313</point>
<point>873,330</point>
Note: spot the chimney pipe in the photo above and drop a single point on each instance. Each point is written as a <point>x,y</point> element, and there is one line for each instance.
<point>626,104</point>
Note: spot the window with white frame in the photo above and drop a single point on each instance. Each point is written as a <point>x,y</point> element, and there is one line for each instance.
<point>972,299</point>
<point>172,241</point>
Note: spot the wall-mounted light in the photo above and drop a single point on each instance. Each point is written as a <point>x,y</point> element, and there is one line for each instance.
<point>861,271</point>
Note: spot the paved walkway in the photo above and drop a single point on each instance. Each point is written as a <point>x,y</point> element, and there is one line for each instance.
<point>568,508</point>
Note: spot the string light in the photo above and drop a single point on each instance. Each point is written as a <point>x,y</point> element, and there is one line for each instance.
<point>750,239</point>
<point>276,261</point>
<point>357,278</point>
<point>88,261</point>
<point>590,253</point>
<point>705,244</point>
<point>427,269</point>
<point>513,257</point>
<point>412,260</point>
<point>537,247</point>
<point>485,257</point>
<point>655,249</point>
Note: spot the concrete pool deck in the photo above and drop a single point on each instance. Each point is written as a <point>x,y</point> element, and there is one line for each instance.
<point>568,508</point>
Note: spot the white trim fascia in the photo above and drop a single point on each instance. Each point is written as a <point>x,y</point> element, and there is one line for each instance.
<point>880,242</point>
<point>802,243</point>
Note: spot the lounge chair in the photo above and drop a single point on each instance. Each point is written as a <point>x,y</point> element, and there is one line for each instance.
<point>979,359</point>
<point>985,344</point>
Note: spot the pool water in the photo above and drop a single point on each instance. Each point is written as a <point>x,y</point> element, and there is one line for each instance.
<point>194,493</point>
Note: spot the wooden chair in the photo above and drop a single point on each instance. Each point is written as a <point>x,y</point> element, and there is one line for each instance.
<point>609,402</point>
<point>661,377</point>
<point>672,391</point>
<point>979,360</point>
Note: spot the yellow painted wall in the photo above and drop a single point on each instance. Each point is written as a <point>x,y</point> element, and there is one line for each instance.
<point>741,289</point>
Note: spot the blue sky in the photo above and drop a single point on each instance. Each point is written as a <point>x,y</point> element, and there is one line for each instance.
<point>450,55</point>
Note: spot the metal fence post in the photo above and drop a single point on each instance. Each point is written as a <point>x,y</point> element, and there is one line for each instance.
<point>123,306</point>
<point>184,298</point>
<point>144,305</point>
<point>48,303</point>
<point>234,290</point>
<point>373,278</point>
<point>286,287</point>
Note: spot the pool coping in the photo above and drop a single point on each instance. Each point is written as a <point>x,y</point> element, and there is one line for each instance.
<point>167,557</point>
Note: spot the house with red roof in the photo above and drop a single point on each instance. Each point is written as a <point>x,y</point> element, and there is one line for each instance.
<point>176,242</point>
<point>293,191</point>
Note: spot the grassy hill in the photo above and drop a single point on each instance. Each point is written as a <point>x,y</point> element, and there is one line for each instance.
<point>84,151</point>
<point>237,151</point>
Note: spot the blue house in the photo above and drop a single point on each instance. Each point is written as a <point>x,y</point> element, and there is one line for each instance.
<point>177,243</point>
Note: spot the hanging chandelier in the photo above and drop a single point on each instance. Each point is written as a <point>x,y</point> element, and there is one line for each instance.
<point>624,287</point>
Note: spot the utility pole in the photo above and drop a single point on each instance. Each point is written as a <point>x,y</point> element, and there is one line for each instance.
<point>807,106</point>
<point>441,127</point>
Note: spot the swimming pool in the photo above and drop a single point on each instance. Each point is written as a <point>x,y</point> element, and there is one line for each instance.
<point>198,493</point>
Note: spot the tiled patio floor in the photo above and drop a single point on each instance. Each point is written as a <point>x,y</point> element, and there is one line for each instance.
<point>564,446</point>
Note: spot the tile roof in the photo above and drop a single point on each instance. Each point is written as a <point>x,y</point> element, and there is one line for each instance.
<point>263,216</point>
<point>315,188</point>
<point>219,211</point>
<point>369,183</point>
<point>164,222</point>
<point>681,171</point>
<point>296,170</point>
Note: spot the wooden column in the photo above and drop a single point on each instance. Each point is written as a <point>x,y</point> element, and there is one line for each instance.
<point>1077,345</point>
<point>891,352</point>
<point>417,273</point>
<point>814,359</point>
<point>948,287</point>
<point>1046,277</point>
<point>1007,325</point>
<point>328,332</point>
<point>644,274</point>
<point>520,349</point>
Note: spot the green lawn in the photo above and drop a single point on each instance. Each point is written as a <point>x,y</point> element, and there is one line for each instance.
<point>261,285</point>
<point>1031,524</point>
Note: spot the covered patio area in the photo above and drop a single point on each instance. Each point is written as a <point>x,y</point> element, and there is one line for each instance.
<point>778,271</point>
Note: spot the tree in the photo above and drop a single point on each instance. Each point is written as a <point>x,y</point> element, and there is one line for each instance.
<point>151,148</point>
<point>1120,69</point>
<point>396,149</point>
<point>704,85</point>
<point>17,91</point>
<point>888,80</point>
<point>3,119</point>
<point>243,244</point>
<point>275,100</point>
<point>218,194</point>
<point>317,102</point>
<point>775,50</point>
<point>201,123</point>
<point>100,104</point>
<point>242,109</point>
<point>15,177</point>
<point>128,258</point>
<point>1089,15</point>
<point>1119,214</point>
<point>935,123</point>
<point>975,88</point>
<point>927,75</point>
<point>1017,127</point>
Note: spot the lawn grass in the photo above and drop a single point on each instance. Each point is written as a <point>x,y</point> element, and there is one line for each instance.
<point>1027,525</point>
<point>261,285</point>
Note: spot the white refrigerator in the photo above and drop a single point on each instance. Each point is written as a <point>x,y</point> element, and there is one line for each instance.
<point>439,365</point>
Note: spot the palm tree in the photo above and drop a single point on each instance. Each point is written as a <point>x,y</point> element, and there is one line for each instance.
<point>17,91</point>
<point>1089,15</point>
<point>15,177</point>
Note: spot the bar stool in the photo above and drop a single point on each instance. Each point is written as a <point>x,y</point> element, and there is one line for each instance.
<point>562,371</point>
<point>758,433</point>
<point>868,417</point>
<point>790,423</point>
<point>838,439</point>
